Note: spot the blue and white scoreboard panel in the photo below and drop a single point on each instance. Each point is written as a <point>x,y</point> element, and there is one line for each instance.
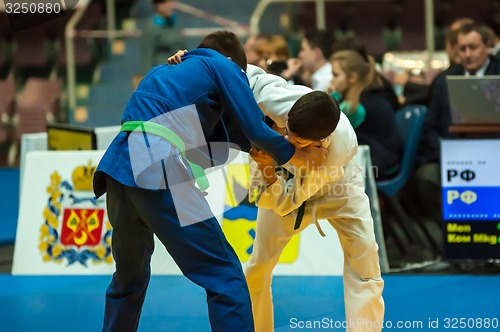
<point>470,178</point>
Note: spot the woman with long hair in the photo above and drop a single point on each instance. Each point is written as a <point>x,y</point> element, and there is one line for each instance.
<point>359,90</point>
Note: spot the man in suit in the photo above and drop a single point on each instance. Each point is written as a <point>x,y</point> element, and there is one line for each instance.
<point>475,59</point>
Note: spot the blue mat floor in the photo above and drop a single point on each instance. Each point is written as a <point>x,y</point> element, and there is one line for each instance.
<point>76,303</point>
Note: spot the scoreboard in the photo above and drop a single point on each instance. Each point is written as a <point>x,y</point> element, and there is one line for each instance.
<point>470,178</point>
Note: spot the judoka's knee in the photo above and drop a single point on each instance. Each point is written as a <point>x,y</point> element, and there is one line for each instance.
<point>362,258</point>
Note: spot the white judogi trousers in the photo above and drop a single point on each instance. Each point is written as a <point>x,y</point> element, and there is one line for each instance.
<point>348,211</point>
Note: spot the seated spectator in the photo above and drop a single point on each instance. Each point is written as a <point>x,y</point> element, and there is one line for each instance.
<point>411,87</point>
<point>269,52</point>
<point>277,56</point>
<point>313,60</point>
<point>161,37</point>
<point>473,41</point>
<point>353,44</point>
<point>255,48</point>
<point>451,43</point>
<point>360,93</point>
<point>272,51</point>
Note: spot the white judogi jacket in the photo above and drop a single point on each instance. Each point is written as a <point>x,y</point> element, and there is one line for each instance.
<point>335,192</point>
<point>276,98</point>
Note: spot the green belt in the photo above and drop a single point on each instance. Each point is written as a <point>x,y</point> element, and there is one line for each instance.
<point>174,139</point>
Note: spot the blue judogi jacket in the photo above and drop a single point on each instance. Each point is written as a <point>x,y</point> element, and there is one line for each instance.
<point>220,93</point>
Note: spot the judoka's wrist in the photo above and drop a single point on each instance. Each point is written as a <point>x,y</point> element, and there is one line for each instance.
<point>270,179</point>
<point>268,173</point>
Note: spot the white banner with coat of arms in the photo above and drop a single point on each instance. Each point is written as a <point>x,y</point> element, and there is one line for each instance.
<point>62,229</point>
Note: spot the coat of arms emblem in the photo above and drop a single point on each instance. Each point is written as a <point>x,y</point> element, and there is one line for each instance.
<point>75,228</point>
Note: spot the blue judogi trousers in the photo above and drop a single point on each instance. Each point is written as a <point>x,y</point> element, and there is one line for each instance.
<point>200,250</point>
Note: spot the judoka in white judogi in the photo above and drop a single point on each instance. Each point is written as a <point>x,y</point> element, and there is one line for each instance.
<point>334,192</point>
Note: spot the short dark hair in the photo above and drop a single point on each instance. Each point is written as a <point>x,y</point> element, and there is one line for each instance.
<point>483,30</point>
<point>314,116</point>
<point>228,44</point>
<point>322,39</point>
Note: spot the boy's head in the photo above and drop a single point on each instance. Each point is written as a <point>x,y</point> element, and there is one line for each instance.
<point>227,44</point>
<point>312,118</point>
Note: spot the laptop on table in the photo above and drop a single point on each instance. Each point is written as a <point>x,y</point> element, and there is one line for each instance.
<point>475,103</point>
